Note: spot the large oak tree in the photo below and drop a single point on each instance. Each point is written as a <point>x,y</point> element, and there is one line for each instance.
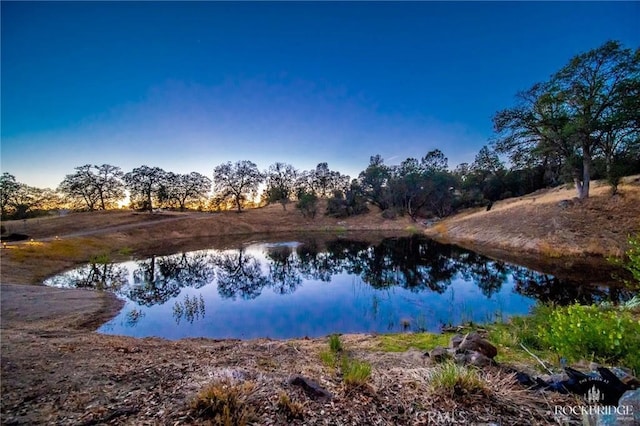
<point>237,181</point>
<point>586,109</point>
<point>145,183</point>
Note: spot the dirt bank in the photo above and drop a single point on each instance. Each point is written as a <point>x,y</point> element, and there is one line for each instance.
<point>550,224</point>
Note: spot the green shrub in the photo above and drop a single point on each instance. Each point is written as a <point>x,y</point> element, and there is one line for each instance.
<point>307,204</point>
<point>100,259</point>
<point>526,327</point>
<point>452,379</point>
<point>125,251</point>
<point>328,358</point>
<point>606,335</point>
<point>633,255</point>
<point>334,343</point>
<point>341,205</point>
<point>355,373</point>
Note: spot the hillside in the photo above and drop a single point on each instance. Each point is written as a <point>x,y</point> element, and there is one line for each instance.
<point>550,223</point>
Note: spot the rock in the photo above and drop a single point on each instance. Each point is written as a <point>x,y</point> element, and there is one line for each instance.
<point>455,341</point>
<point>564,204</point>
<point>474,343</point>
<point>477,359</point>
<point>626,376</point>
<point>439,354</point>
<point>311,388</point>
<point>630,404</point>
<point>626,413</point>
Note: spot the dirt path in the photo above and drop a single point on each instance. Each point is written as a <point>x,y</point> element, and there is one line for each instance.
<point>113,229</point>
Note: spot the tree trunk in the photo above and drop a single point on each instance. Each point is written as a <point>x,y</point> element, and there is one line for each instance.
<point>586,173</point>
<point>238,204</point>
<point>578,184</point>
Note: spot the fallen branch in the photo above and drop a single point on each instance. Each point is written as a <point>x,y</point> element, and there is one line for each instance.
<point>536,358</point>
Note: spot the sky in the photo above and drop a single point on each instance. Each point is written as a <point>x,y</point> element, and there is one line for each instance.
<point>188,86</point>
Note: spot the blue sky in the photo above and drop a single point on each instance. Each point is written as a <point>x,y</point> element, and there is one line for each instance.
<point>187,86</point>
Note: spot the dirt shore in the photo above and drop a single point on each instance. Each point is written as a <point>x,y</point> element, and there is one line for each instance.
<point>57,370</point>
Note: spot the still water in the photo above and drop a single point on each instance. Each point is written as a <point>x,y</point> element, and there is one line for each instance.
<point>296,289</point>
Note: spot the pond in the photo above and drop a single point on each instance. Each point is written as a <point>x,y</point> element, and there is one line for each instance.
<point>315,288</point>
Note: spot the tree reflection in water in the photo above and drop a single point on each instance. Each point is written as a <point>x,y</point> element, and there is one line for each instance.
<point>239,274</point>
<point>283,269</point>
<point>190,309</point>
<point>158,279</point>
<point>550,289</point>
<point>96,275</point>
<point>412,263</point>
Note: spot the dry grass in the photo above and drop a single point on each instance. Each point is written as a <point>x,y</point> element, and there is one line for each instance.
<point>224,403</point>
<point>537,224</point>
<point>292,410</point>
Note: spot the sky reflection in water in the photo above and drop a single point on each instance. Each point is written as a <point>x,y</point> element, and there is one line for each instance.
<point>286,290</point>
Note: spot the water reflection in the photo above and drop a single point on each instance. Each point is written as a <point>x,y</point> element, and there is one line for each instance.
<point>192,308</point>
<point>550,289</point>
<point>344,285</point>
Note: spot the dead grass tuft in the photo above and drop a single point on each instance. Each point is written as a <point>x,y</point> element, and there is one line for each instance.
<point>224,403</point>
<point>292,410</point>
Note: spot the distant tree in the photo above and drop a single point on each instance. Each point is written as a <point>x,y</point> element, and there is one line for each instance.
<point>435,161</point>
<point>180,189</point>
<point>144,184</point>
<point>373,182</point>
<point>307,204</point>
<point>81,186</point>
<point>595,87</point>
<point>323,181</point>
<point>109,185</point>
<point>27,199</point>
<point>410,187</point>
<point>349,203</point>
<point>437,183</point>
<point>489,172</point>
<point>304,183</point>
<point>8,188</point>
<point>237,181</point>
<point>281,183</point>
<point>95,187</point>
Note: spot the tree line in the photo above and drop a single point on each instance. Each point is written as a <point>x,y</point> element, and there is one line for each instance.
<point>583,123</point>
